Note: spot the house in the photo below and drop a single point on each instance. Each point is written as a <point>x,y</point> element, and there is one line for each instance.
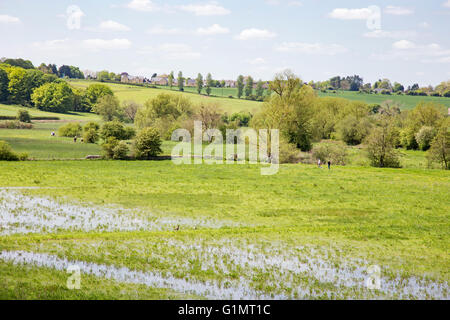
<point>191,82</point>
<point>230,84</point>
<point>162,80</point>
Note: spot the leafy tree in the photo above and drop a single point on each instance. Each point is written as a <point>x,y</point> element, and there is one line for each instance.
<point>76,73</point>
<point>6,152</point>
<point>4,81</point>
<point>240,86</point>
<point>199,83</point>
<point>53,97</point>
<point>285,83</point>
<point>353,130</point>
<point>81,102</point>
<point>147,143</point>
<point>117,130</point>
<point>398,87</point>
<point>17,86</point>
<point>180,80</point>
<point>120,151</point>
<point>381,147</point>
<point>23,116</point>
<point>25,64</point>
<point>65,71</point>
<point>440,147</point>
<point>109,108</point>
<point>90,136</point>
<point>170,79</point>
<point>95,91</point>
<point>103,75</point>
<point>424,137</point>
<point>108,147</point>
<point>222,84</point>
<point>209,84</point>
<point>249,87</point>
<point>70,130</point>
<point>259,90</point>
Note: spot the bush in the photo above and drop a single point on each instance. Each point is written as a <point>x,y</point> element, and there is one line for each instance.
<point>90,136</point>
<point>424,137</point>
<point>91,125</point>
<point>288,152</point>
<point>147,143</point>
<point>6,153</point>
<point>381,150</point>
<point>15,125</point>
<point>108,147</point>
<point>70,130</point>
<point>23,116</point>
<point>447,94</point>
<point>120,151</point>
<point>117,130</point>
<point>53,97</point>
<point>335,152</point>
<point>352,130</point>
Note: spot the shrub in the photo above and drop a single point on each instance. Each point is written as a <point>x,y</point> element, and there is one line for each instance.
<point>120,151</point>
<point>90,136</point>
<point>288,152</point>
<point>23,156</point>
<point>108,147</point>
<point>424,137</point>
<point>147,143</point>
<point>70,130</point>
<point>117,130</point>
<point>335,152</point>
<point>91,125</point>
<point>23,116</point>
<point>352,130</point>
<point>447,94</point>
<point>15,125</point>
<point>6,153</point>
<point>381,150</point>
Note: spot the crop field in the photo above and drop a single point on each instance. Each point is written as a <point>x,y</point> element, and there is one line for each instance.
<point>142,94</point>
<point>150,230</point>
<point>405,102</point>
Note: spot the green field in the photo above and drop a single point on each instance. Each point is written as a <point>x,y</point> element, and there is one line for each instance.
<point>303,233</point>
<point>406,102</point>
<point>142,94</point>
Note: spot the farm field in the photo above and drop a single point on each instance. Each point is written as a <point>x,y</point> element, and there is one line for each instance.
<point>142,94</point>
<point>303,233</point>
<point>406,102</point>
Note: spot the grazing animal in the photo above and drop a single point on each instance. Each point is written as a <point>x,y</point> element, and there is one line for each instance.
<point>177,228</point>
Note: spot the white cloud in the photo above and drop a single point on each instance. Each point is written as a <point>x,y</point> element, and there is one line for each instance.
<point>389,34</point>
<point>102,44</point>
<point>446,4</point>
<point>212,30</point>
<point>257,61</point>
<point>254,33</point>
<point>351,14</point>
<point>289,3</point>
<point>160,30</point>
<point>206,9</point>
<point>171,51</point>
<point>142,5</point>
<point>425,24</point>
<point>398,11</point>
<point>408,51</point>
<point>311,48</point>
<point>403,45</point>
<point>110,25</point>
<point>8,19</point>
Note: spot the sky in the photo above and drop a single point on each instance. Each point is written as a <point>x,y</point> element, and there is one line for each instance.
<point>404,40</point>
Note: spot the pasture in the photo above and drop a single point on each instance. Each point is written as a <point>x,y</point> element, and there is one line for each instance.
<point>405,102</point>
<point>142,94</point>
<point>303,233</point>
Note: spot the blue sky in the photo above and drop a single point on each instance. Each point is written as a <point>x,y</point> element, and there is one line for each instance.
<point>405,41</point>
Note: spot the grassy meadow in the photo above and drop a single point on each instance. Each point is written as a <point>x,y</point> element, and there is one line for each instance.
<point>240,233</point>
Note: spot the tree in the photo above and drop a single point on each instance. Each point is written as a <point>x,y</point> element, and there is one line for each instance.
<point>259,90</point>
<point>199,83</point>
<point>130,109</point>
<point>17,85</point>
<point>440,147</point>
<point>103,75</point>
<point>117,130</point>
<point>249,87</point>
<point>96,91</point>
<point>285,83</point>
<point>335,83</point>
<point>53,97</point>
<point>109,108</point>
<point>65,71</point>
<point>4,81</point>
<point>424,137</point>
<point>170,79</point>
<point>147,144</point>
<point>6,152</point>
<point>398,87</point>
<point>180,80</point>
<point>25,64</point>
<point>240,86</point>
<point>381,146</point>
<point>209,84</point>
<point>23,116</point>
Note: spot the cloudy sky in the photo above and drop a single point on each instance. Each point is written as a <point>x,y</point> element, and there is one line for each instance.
<point>404,40</point>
